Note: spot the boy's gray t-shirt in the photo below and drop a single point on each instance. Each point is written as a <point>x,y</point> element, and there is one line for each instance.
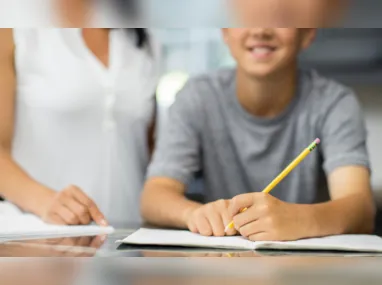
<point>208,130</point>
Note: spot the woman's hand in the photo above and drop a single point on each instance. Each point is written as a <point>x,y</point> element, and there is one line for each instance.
<point>72,206</point>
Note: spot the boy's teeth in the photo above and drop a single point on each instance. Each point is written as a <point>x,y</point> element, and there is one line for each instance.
<point>262,50</point>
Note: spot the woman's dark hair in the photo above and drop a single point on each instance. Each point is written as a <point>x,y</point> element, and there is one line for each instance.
<point>142,37</point>
<point>129,9</point>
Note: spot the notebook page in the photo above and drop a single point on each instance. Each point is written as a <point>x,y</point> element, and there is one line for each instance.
<point>354,243</point>
<point>15,225</point>
<point>184,238</point>
<point>8,209</point>
<point>18,228</point>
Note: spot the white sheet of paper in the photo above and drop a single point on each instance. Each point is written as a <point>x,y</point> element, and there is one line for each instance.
<point>184,238</point>
<point>354,243</point>
<point>15,225</point>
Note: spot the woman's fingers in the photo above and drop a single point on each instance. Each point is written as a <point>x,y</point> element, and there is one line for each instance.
<point>67,215</point>
<point>78,209</point>
<point>91,207</point>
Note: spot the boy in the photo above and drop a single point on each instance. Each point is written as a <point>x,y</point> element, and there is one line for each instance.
<point>242,127</point>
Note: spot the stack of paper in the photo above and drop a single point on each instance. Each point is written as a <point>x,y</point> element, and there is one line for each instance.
<point>352,243</point>
<point>15,225</point>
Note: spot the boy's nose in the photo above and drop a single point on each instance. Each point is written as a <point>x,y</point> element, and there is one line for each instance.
<point>261,33</point>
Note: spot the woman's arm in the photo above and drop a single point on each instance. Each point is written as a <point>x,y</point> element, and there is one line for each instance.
<point>15,185</point>
<point>70,206</point>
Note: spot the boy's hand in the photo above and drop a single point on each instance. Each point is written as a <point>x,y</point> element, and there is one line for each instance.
<point>71,206</point>
<point>211,219</point>
<point>268,219</point>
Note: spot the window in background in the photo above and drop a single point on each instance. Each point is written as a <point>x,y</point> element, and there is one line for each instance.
<point>186,13</point>
<point>186,53</point>
<point>190,52</point>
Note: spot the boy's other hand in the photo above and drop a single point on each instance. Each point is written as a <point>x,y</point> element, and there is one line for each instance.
<point>211,219</point>
<point>71,206</point>
<point>268,218</point>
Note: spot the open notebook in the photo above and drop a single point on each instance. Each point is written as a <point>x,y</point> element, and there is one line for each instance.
<point>353,243</point>
<point>15,225</point>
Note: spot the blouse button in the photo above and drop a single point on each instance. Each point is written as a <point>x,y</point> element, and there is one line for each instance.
<point>110,101</point>
<point>109,122</point>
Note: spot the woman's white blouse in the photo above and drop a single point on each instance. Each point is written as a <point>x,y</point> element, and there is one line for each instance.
<point>79,122</point>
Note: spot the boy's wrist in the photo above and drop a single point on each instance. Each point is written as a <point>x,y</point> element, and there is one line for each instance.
<point>187,212</point>
<point>321,222</point>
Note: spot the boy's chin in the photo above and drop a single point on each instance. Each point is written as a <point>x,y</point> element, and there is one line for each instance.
<point>258,73</point>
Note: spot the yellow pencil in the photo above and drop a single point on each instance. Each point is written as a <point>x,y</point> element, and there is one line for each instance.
<point>284,174</point>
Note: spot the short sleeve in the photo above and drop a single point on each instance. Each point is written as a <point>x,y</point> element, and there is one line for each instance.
<point>177,153</point>
<point>344,134</point>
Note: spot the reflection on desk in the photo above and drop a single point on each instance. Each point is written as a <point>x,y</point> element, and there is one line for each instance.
<point>281,270</point>
<point>62,247</point>
<point>41,272</point>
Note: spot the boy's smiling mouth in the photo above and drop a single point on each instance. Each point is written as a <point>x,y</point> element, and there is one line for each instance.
<point>262,51</point>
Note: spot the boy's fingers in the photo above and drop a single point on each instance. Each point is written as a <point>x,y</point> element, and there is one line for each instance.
<point>226,220</point>
<point>192,227</point>
<point>240,202</point>
<point>250,229</point>
<point>204,227</point>
<point>261,236</point>
<point>250,215</point>
<point>231,232</point>
<point>216,223</point>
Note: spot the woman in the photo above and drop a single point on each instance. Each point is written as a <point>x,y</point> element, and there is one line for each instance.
<point>77,108</point>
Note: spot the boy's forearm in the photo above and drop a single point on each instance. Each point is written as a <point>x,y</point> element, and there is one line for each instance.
<point>349,215</point>
<point>166,206</point>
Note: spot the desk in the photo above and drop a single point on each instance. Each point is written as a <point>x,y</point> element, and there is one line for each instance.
<point>109,268</point>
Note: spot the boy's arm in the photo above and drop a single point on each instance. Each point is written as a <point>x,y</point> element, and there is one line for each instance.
<point>351,210</point>
<point>346,163</point>
<point>175,160</point>
<point>164,203</point>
